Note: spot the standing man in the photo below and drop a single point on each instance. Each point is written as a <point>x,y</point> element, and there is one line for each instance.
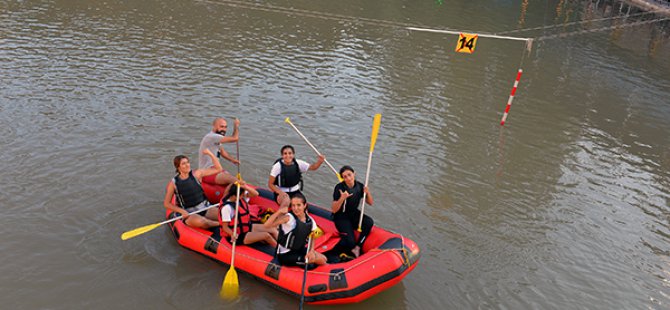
<point>214,141</point>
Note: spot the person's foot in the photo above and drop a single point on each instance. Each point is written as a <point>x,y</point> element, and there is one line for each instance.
<point>356,251</point>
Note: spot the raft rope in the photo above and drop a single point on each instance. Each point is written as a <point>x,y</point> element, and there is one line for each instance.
<point>578,32</point>
<point>578,22</point>
<point>403,249</point>
<point>415,27</point>
<point>480,34</point>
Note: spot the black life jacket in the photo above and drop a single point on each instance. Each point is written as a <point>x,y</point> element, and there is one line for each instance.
<point>289,176</point>
<point>351,204</point>
<point>189,192</point>
<point>244,217</point>
<point>296,239</point>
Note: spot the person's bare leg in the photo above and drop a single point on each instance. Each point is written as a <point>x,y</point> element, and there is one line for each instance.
<point>212,214</point>
<point>317,258</point>
<point>196,220</point>
<point>256,236</point>
<point>224,178</point>
<point>272,231</point>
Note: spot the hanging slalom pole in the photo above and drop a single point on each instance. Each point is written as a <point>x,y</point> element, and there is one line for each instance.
<point>511,97</point>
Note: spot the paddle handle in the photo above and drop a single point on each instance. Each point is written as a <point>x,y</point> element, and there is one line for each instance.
<point>237,209</point>
<point>237,146</point>
<point>367,178</point>
<point>339,177</point>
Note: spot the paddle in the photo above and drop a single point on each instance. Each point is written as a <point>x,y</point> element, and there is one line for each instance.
<point>375,130</point>
<point>237,144</point>
<point>304,276</point>
<point>138,231</point>
<point>287,120</point>
<point>231,287</point>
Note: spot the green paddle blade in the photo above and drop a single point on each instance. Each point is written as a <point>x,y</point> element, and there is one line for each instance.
<point>231,287</point>
<point>138,231</point>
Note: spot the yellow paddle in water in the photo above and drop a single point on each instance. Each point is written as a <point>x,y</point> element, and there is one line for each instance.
<point>287,120</point>
<point>375,130</point>
<point>138,231</point>
<point>231,286</point>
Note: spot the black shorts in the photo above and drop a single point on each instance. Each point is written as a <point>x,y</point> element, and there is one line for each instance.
<point>293,257</point>
<point>290,194</point>
<point>201,213</point>
<point>240,238</point>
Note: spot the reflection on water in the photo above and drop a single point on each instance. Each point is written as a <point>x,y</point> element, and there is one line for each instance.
<point>565,207</point>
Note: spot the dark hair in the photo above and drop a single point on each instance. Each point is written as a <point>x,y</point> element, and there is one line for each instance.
<point>230,192</point>
<point>345,168</point>
<point>287,147</point>
<point>177,161</point>
<point>300,196</point>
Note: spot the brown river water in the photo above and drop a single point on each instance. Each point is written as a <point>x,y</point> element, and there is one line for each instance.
<point>565,207</point>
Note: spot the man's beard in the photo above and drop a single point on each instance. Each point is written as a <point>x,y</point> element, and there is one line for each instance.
<point>221,132</point>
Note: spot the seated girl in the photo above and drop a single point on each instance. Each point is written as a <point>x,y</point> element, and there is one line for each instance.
<point>295,228</point>
<point>247,231</point>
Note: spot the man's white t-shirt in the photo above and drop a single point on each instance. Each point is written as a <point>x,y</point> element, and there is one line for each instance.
<point>288,226</point>
<point>276,170</point>
<point>210,141</point>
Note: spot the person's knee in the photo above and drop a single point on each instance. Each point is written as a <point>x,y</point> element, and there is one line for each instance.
<point>368,222</point>
<point>196,221</point>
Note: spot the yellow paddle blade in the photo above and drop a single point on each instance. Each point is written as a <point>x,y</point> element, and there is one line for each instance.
<point>138,231</point>
<point>288,120</point>
<point>339,177</point>
<point>231,287</point>
<point>375,130</point>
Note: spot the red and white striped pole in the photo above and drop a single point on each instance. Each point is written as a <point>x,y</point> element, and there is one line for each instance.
<point>511,97</point>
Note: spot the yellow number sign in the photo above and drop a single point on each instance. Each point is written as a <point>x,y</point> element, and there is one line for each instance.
<point>466,43</point>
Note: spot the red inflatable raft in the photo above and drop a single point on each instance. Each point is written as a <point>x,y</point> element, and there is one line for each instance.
<point>385,260</point>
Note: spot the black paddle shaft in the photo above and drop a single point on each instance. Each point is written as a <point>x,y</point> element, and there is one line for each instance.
<point>304,276</point>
